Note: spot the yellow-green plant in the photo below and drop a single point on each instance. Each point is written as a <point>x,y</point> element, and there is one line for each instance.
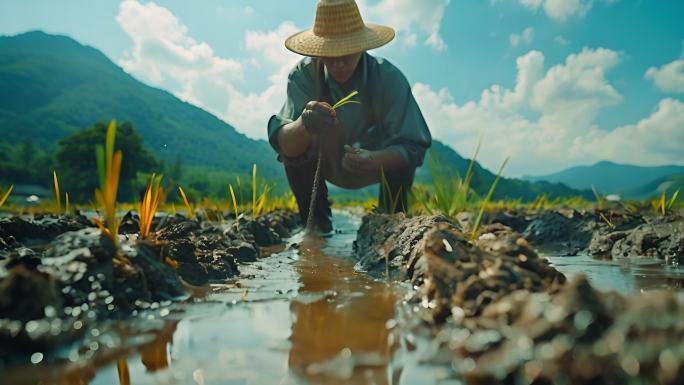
<point>109,170</point>
<point>55,192</point>
<point>345,100</point>
<point>258,203</point>
<point>191,213</point>
<point>451,194</point>
<point>600,199</point>
<point>154,194</point>
<point>663,205</point>
<point>5,195</point>
<point>474,234</point>
<point>606,220</point>
<point>235,205</point>
<point>389,202</point>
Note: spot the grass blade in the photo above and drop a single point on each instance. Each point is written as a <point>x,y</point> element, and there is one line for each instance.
<point>473,235</point>
<point>346,100</point>
<point>57,198</point>
<point>5,195</point>
<point>187,203</point>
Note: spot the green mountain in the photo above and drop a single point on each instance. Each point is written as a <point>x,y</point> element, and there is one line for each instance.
<point>610,178</point>
<point>51,86</point>
<point>668,184</point>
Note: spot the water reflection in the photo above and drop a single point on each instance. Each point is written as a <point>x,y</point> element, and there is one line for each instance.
<point>339,336</point>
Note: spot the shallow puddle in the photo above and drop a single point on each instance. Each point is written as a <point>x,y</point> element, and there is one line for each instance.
<point>299,316</point>
<point>625,276</point>
<point>303,316</point>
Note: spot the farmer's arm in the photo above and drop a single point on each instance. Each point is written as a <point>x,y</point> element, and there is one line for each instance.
<point>293,138</point>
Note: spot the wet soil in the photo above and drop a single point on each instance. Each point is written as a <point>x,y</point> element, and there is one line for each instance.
<point>59,273</point>
<point>301,314</point>
<point>413,301</point>
<point>496,312</point>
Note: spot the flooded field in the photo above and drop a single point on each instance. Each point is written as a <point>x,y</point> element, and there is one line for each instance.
<point>302,315</point>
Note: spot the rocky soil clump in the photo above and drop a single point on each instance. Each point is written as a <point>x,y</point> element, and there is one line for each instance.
<point>657,238</point>
<point>59,274</point>
<point>498,313</point>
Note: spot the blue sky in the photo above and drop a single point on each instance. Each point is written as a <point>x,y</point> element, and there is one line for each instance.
<point>550,83</point>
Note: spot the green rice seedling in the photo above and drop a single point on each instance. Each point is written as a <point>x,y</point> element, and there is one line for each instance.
<point>539,202</point>
<point>56,197</point>
<point>600,199</point>
<point>232,196</point>
<point>345,100</point>
<point>254,188</point>
<point>191,213</point>
<point>452,194</point>
<point>259,201</point>
<point>154,194</point>
<point>473,235</point>
<point>663,205</point>
<point>5,195</point>
<point>109,170</point>
<point>606,220</point>
<point>390,203</point>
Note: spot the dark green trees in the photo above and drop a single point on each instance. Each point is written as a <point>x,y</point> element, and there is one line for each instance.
<point>77,167</point>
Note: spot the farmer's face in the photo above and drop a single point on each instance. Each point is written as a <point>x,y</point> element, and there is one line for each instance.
<point>342,68</point>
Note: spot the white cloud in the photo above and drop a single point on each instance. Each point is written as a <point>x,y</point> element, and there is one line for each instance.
<point>165,55</point>
<point>562,10</point>
<point>163,51</point>
<point>669,77</point>
<point>561,40</point>
<point>524,37</point>
<point>410,19</point>
<point>547,121</point>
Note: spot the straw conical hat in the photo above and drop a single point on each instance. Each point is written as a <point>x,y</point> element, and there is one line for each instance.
<point>338,31</point>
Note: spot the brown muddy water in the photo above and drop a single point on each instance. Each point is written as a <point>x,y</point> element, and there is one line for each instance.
<point>302,315</point>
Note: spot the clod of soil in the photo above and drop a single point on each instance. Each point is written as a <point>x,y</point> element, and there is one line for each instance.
<point>658,239</point>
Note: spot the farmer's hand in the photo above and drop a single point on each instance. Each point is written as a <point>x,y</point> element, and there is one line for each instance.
<point>358,160</point>
<point>318,117</point>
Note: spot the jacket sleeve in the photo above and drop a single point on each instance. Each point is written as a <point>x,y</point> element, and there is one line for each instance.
<point>404,127</point>
<point>299,92</point>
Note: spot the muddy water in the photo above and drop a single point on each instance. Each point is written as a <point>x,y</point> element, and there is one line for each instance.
<point>299,316</point>
<point>303,316</point>
<point>625,275</point>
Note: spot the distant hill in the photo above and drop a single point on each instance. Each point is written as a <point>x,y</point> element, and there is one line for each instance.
<point>609,177</point>
<point>51,86</point>
<point>668,184</point>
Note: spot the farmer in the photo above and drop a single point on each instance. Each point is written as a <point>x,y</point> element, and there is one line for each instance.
<point>384,134</point>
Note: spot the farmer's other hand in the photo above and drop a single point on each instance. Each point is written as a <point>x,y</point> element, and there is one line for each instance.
<point>318,117</point>
<point>358,160</point>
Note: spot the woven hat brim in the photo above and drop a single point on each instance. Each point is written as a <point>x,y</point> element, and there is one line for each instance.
<point>308,44</point>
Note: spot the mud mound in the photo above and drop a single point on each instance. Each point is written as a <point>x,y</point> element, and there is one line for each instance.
<point>662,238</point>
<point>50,293</point>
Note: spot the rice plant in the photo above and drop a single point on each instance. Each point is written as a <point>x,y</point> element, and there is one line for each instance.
<point>191,212</point>
<point>345,100</point>
<point>259,203</point>
<point>109,170</point>
<point>154,194</point>
<point>56,197</point>
<point>389,202</point>
<point>451,194</point>
<point>663,205</point>
<point>5,195</point>
<point>473,234</point>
